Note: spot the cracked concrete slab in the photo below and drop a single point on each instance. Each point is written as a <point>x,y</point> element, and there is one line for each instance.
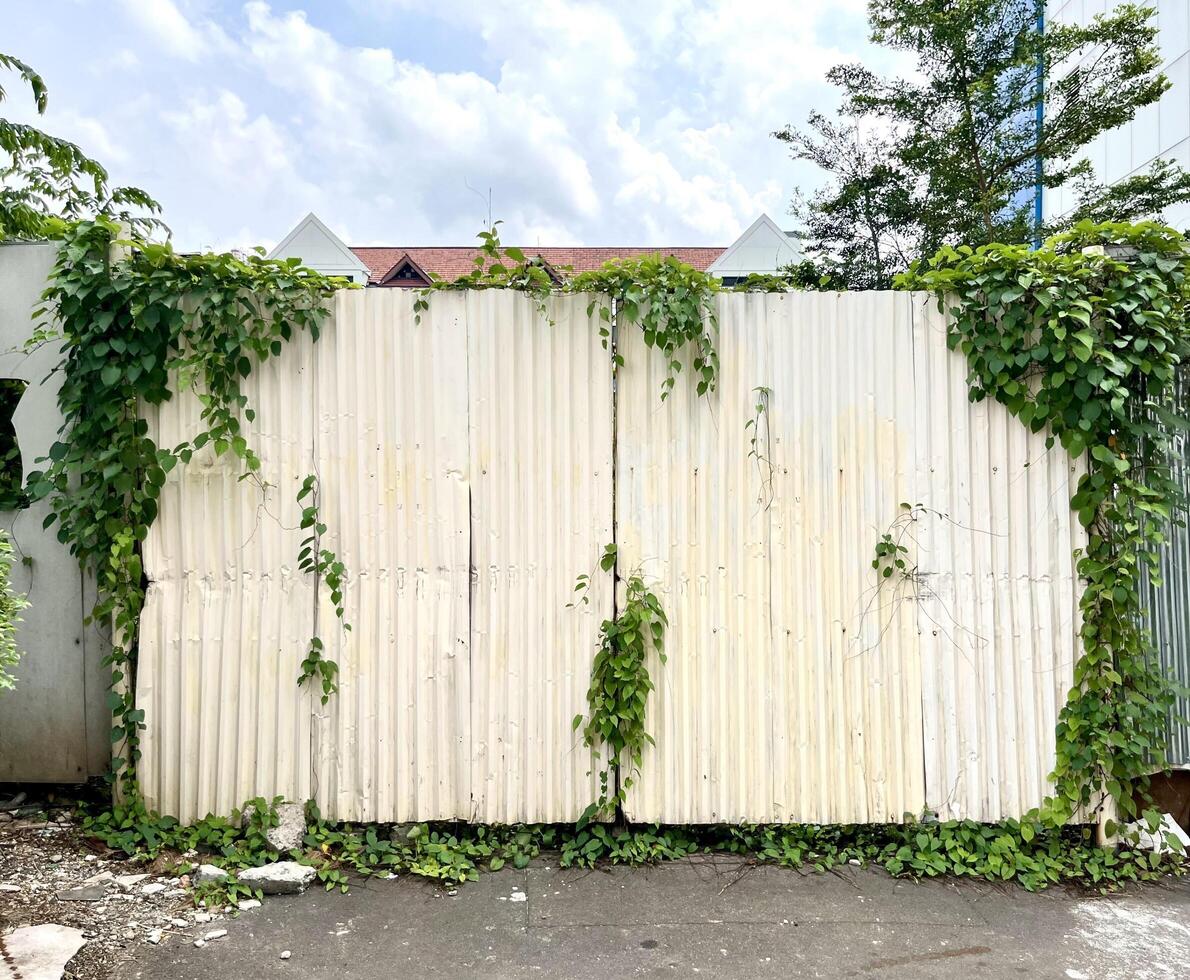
<point>705,919</point>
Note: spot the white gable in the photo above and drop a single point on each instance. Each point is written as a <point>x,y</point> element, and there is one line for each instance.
<point>321,249</point>
<point>762,248</point>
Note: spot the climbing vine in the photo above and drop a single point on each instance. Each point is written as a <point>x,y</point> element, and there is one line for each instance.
<point>759,443</point>
<point>620,685</point>
<point>497,266</point>
<point>324,565</point>
<point>1082,338</point>
<point>670,301</point>
<point>891,555</point>
<point>139,323</point>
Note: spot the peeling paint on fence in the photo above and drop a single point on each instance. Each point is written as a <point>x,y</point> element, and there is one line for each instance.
<point>466,469</point>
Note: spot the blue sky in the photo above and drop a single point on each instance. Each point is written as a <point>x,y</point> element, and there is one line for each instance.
<point>613,122</point>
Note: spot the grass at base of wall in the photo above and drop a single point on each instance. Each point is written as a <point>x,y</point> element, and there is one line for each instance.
<point>1026,852</point>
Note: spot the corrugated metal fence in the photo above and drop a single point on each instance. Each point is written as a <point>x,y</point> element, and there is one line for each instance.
<point>468,475</point>
<point>1168,604</point>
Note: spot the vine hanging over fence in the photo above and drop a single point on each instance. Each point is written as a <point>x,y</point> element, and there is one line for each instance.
<point>1086,346</point>
<point>135,330</point>
<point>671,302</point>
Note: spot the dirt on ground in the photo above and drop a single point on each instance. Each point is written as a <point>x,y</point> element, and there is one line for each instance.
<point>51,873</point>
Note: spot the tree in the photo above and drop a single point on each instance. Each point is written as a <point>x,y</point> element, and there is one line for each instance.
<point>965,134</point>
<point>860,225</point>
<point>44,179</point>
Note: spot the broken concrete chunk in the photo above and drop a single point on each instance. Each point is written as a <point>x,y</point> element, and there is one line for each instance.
<point>215,934</point>
<point>288,834</point>
<point>87,893</point>
<point>127,882</point>
<point>41,952</point>
<point>290,829</point>
<point>279,878</point>
<point>153,889</point>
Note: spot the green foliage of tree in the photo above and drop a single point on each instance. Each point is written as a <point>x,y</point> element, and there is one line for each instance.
<point>11,604</point>
<point>861,223</point>
<point>44,179</point>
<point>949,155</point>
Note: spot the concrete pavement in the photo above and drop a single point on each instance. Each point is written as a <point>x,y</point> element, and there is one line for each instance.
<point>712,918</point>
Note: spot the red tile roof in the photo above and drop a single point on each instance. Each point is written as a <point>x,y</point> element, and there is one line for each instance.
<point>450,262</point>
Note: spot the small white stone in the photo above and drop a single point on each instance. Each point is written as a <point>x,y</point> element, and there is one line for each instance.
<point>154,889</point>
<point>154,936</point>
<point>200,943</point>
<point>248,903</point>
<point>207,873</point>
<point>201,916</point>
<point>10,888</point>
<point>285,954</point>
<point>215,934</point>
<point>518,897</point>
<point>56,858</point>
<point>179,923</point>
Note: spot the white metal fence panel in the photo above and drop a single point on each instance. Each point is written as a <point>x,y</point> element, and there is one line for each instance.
<point>391,395</point>
<point>541,513</point>
<point>479,438</point>
<point>999,607</point>
<point>466,471</point>
<point>228,616</point>
<point>790,693</point>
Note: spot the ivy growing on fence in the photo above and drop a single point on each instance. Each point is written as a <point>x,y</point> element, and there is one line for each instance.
<point>620,685</point>
<point>1085,346</point>
<point>324,565</point>
<point>136,330</point>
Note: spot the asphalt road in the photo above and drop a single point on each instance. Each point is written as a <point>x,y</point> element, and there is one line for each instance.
<point>705,918</point>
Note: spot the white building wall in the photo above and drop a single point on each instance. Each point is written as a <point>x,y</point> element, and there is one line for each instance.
<point>1161,130</point>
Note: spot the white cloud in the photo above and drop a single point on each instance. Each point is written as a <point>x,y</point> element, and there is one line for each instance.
<point>90,134</point>
<point>592,122</point>
<point>380,125</point>
<point>165,23</point>
<point>249,153</point>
